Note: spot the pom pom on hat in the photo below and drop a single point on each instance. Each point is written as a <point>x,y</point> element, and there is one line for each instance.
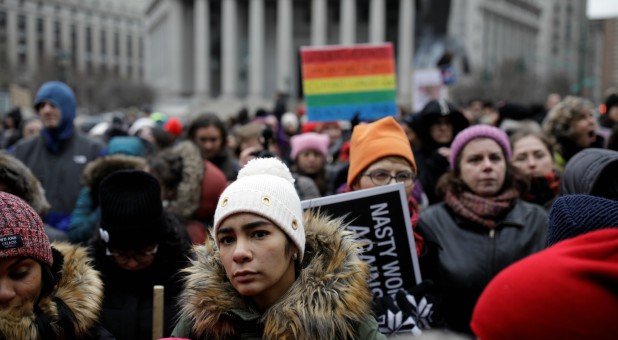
<point>309,141</point>
<point>173,126</point>
<point>21,231</point>
<point>265,187</point>
<point>478,131</point>
<point>374,141</point>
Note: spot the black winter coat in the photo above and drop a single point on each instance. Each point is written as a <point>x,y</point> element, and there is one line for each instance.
<point>461,257</point>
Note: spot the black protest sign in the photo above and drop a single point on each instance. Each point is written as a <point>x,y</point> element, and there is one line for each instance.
<point>380,217</point>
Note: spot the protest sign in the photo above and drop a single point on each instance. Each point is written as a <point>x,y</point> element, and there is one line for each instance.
<point>380,217</point>
<point>427,85</point>
<point>340,82</point>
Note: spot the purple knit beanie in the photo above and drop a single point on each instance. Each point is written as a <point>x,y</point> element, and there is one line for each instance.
<point>21,231</point>
<point>476,131</point>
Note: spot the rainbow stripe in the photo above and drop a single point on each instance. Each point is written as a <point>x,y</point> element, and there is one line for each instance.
<point>340,82</point>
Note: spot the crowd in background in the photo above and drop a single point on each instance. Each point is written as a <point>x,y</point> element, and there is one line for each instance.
<point>497,192</point>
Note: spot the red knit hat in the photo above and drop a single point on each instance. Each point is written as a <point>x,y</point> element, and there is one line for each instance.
<point>568,291</point>
<point>21,231</point>
<point>374,141</point>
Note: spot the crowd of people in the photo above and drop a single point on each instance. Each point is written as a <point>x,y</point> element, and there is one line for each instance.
<point>513,214</point>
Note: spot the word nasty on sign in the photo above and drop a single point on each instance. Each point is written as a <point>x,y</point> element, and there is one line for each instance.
<point>385,247</point>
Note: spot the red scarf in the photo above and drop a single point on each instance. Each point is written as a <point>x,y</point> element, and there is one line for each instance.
<point>543,188</point>
<point>418,239</point>
<point>482,210</point>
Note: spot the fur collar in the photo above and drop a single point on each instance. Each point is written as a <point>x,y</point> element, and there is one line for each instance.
<point>327,301</point>
<point>13,171</point>
<point>96,170</point>
<point>81,289</point>
<point>189,190</point>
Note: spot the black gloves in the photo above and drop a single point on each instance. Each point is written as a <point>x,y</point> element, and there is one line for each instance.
<point>412,312</point>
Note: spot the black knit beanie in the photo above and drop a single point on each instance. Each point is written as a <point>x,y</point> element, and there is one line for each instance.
<point>573,215</point>
<point>131,210</point>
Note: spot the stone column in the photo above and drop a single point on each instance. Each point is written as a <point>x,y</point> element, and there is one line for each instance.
<point>284,44</point>
<point>122,55</point>
<point>11,28</point>
<point>319,22</point>
<point>95,37</point>
<point>110,32</point>
<point>50,49</point>
<point>31,39</point>
<point>377,13</point>
<point>138,63</point>
<point>405,51</point>
<point>229,53</point>
<point>347,22</point>
<point>201,41</point>
<point>256,49</point>
<point>81,42</point>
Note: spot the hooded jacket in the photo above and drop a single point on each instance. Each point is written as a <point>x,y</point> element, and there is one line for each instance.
<point>22,183</point>
<point>582,172</point>
<point>429,162</point>
<point>199,189</point>
<point>79,287</point>
<point>330,298</point>
<point>58,156</point>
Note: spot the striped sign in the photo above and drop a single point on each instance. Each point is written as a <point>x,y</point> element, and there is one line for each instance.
<point>340,82</point>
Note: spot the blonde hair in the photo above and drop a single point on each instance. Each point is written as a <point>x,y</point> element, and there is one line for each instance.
<point>558,121</point>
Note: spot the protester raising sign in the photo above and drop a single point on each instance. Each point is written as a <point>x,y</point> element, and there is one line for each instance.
<point>379,216</point>
<point>341,82</point>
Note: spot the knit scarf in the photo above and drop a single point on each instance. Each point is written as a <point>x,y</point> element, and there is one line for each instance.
<point>543,188</point>
<point>414,215</point>
<point>481,210</point>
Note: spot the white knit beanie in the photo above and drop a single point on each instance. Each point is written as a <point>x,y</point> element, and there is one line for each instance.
<point>265,187</point>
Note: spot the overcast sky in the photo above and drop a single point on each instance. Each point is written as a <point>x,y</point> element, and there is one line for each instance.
<point>602,8</point>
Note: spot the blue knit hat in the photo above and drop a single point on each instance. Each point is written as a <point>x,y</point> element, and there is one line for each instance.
<point>573,215</point>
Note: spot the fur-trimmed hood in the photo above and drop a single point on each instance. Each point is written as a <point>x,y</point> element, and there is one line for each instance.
<point>23,182</point>
<point>189,189</point>
<point>328,300</point>
<point>98,169</point>
<point>81,289</point>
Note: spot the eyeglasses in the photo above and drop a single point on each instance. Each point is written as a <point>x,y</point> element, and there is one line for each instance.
<point>383,177</point>
<point>140,256</point>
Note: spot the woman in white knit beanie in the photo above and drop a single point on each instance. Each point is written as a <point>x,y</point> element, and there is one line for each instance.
<point>268,272</point>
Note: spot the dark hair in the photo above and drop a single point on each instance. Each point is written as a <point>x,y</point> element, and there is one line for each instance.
<point>207,120</point>
<point>50,276</point>
<point>513,178</point>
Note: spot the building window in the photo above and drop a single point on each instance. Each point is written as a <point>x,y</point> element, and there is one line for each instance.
<point>88,39</point>
<point>57,38</point>
<point>73,44</point>
<point>116,44</point>
<point>103,43</point>
<point>129,46</point>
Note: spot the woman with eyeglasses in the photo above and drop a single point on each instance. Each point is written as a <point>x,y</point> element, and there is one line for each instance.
<point>380,154</point>
<point>481,227</point>
<point>138,245</point>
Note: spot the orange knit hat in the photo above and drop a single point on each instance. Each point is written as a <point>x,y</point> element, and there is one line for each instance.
<point>374,141</point>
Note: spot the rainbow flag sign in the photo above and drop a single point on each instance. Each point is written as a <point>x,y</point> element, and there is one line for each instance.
<point>340,82</point>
